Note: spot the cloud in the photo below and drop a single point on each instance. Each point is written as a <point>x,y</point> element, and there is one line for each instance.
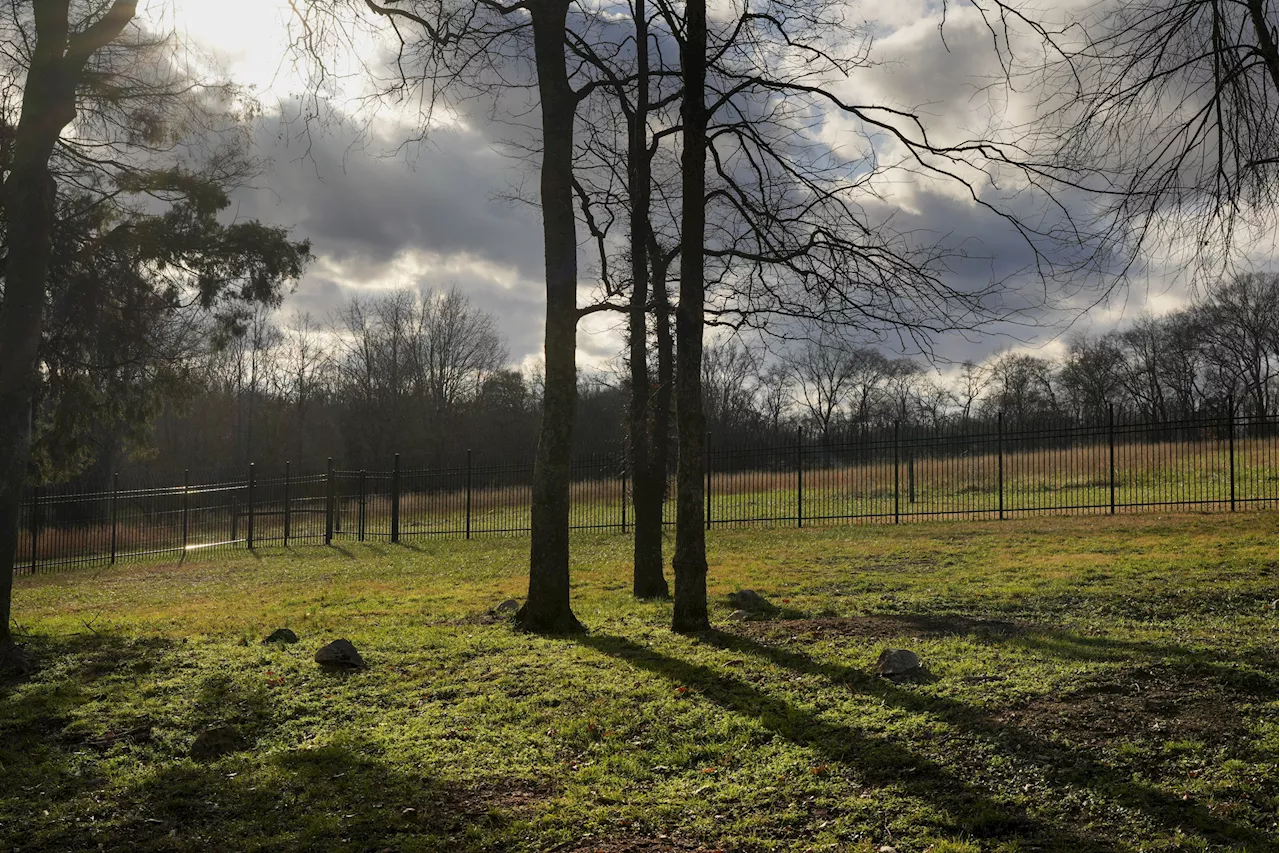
<point>382,221</point>
<point>441,216</point>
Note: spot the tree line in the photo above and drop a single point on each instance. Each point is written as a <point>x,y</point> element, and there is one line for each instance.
<point>427,375</point>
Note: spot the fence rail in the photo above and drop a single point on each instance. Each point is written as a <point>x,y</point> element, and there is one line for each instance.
<point>891,476</point>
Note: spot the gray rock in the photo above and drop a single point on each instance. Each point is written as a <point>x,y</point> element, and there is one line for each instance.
<point>750,600</point>
<point>739,616</point>
<point>215,743</point>
<point>897,662</point>
<point>508,607</point>
<point>340,653</point>
<point>281,635</point>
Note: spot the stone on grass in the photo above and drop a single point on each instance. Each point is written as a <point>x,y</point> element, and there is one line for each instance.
<point>750,600</point>
<point>14,660</point>
<point>739,616</point>
<point>215,743</point>
<point>897,662</point>
<point>281,635</point>
<point>339,653</point>
<point>507,608</point>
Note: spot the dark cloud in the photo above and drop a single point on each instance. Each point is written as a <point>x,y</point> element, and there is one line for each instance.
<point>440,218</point>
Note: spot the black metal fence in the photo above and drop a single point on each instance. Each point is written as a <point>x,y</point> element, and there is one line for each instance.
<point>890,475</point>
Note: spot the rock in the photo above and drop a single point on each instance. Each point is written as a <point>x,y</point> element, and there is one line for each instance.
<point>215,743</point>
<point>509,607</point>
<point>752,601</point>
<point>739,616</point>
<point>340,653</point>
<point>897,662</point>
<point>14,660</point>
<point>281,635</point>
<point>885,848</point>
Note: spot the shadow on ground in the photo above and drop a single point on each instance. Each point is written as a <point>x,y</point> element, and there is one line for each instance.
<point>879,761</point>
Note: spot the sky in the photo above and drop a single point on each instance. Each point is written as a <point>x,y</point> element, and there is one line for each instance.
<point>383,214</point>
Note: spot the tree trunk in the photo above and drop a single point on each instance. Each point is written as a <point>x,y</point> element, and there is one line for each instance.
<point>647,578</point>
<point>660,442</point>
<point>690,563</point>
<point>29,198</point>
<point>547,608</point>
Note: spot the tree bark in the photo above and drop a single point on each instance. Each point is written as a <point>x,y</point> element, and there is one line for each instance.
<point>660,441</point>
<point>30,197</point>
<point>547,608</point>
<point>647,578</point>
<point>690,562</point>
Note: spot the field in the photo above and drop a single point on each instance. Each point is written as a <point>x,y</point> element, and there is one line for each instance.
<point>1100,683</point>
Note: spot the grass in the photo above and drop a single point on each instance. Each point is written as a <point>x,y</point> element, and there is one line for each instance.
<point>1091,684</point>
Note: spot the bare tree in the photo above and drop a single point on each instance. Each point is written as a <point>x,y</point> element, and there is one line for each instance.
<point>1165,113</point>
<point>1238,322</point>
<point>1021,387</point>
<point>304,367</point>
<point>970,387</point>
<point>454,349</point>
<point>822,377</point>
<point>1091,376</point>
<point>445,50</point>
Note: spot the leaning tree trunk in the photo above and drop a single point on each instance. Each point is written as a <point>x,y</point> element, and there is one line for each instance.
<point>690,563</point>
<point>29,198</point>
<point>547,608</point>
<point>647,578</point>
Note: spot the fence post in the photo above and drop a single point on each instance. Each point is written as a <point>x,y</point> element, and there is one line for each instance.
<point>706,455</point>
<point>115,512</point>
<point>1000,461</point>
<point>252,476</point>
<point>35,525</point>
<point>1111,451</point>
<point>328,503</point>
<point>186,508</point>
<point>1231,447</point>
<point>896,473</point>
<point>468,492</point>
<point>360,518</point>
<point>395,499</point>
<point>799,476</point>
<point>287,517</point>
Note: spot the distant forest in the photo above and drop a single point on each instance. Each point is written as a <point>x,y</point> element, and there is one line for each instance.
<point>427,375</point>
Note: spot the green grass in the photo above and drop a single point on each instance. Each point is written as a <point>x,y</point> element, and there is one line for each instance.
<point>1092,684</point>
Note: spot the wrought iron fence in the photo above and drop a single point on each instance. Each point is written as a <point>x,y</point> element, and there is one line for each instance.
<point>895,474</point>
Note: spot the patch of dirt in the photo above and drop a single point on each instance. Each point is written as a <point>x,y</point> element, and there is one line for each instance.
<point>510,795</point>
<point>1160,704</point>
<point>882,626</point>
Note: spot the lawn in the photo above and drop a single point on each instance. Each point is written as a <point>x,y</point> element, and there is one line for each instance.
<point>1094,683</point>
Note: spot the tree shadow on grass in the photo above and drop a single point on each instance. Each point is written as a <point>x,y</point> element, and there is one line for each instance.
<point>120,779</point>
<point>339,797</point>
<point>1061,764</point>
<point>1035,638</point>
<point>878,761</point>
